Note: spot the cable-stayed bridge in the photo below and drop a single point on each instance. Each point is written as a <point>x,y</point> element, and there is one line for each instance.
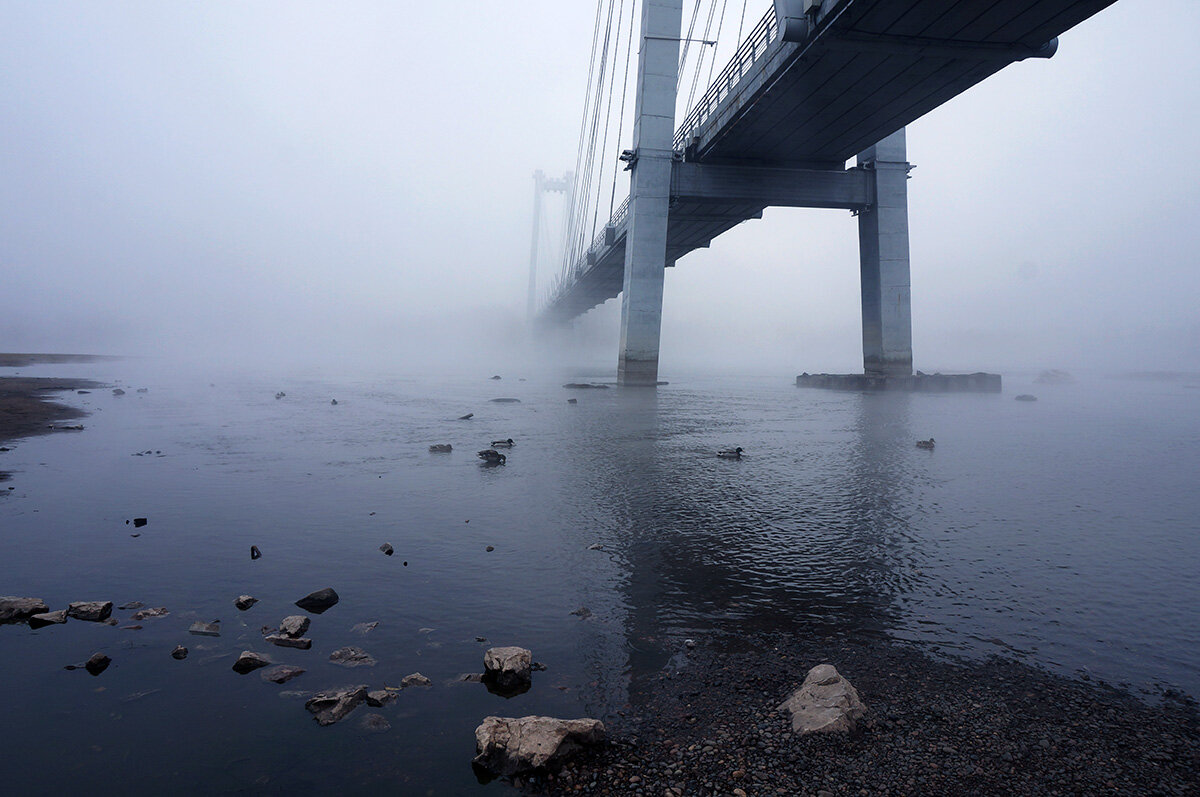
<point>813,84</point>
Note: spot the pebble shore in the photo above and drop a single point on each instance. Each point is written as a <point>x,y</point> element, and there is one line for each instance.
<point>934,726</point>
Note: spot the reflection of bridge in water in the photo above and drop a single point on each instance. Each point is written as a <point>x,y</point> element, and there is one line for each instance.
<point>814,84</point>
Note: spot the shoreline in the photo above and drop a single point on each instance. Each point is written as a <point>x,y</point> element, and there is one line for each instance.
<point>933,726</point>
<point>27,408</point>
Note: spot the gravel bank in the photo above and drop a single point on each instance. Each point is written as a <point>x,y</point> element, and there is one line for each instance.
<point>932,727</point>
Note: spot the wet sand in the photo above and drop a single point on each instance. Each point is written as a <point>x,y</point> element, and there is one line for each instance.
<point>934,726</point>
<point>26,405</point>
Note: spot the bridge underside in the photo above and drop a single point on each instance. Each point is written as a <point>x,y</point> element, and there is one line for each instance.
<point>805,93</point>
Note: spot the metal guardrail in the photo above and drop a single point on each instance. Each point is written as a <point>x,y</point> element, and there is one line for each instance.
<point>756,45</point>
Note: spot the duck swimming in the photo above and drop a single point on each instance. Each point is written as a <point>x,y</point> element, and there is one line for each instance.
<point>503,443</point>
<point>492,456</point>
<point>926,444</point>
<point>441,448</point>
<point>730,453</point>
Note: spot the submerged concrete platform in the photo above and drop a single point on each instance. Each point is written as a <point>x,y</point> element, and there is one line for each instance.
<point>914,383</point>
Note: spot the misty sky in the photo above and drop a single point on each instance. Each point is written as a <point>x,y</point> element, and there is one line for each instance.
<point>354,178</point>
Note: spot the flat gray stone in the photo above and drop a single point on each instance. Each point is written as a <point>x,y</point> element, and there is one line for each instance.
<point>300,643</point>
<point>508,667</point>
<point>508,746</point>
<point>47,618</point>
<point>244,602</point>
<point>281,673</point>
<point>294,626</point>
<point>416,679</point>
<point>92,611</point>
<point>14,608</point>
<point>205,629</point>
<point>329,707</point>
<point>351,656</point>
<point>380,697</point>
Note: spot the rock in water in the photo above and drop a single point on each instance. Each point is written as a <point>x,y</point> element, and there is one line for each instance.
<point>825,702</point>
<point>179,653</point>
<point>1026,397</point>
<point>351,656</point>
<point>329,707</point>
<point>97,664</point>
<point>94,611</point>
<point>250,661</point>
<point>375,723</point>
<point>387,549</point>
<point>317,602</point>
<point>294,626</point>
<point>364,628</point>
<point>143,614</point>
<point>508,746</point>
<point>281,673</point>
<point>244,602</point>
<point>205,629</point>
<point>47,618</point>
<point>416,679</point>
<point>508,667</point>
<point>380,697</point>
<point>300,643</point>
<point>255,553</point>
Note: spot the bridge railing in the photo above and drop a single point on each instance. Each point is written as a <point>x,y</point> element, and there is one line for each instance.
<point>756,44</point>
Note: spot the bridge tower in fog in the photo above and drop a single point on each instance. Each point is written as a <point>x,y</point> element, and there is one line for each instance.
<point>542,185</point>
<point>814,84</point>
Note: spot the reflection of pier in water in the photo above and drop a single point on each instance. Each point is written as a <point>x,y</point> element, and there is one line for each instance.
<point>812,541</point>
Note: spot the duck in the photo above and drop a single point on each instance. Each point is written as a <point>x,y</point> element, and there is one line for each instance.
<point>926,444</point>
<point>492,457</point>
<point>441,448</point>
<point>730,453</point>
<point>503,443</point>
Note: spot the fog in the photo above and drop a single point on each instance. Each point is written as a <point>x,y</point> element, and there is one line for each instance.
<point>351,182</point>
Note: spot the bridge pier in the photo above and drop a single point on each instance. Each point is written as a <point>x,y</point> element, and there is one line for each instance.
<point>883,260</point>
<point>649,192</point>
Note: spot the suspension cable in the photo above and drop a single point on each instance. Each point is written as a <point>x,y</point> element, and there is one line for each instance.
<point>608,117</point>
<point>712,7</point>
<point>713,63</point>
<point>571,205</point>
<point>624,87</point>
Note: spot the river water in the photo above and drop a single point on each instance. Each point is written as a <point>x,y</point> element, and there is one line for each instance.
<point>1061,532</point>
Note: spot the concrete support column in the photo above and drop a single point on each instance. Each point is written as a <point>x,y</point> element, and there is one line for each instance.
<point>649,192</point>
<point>883,260</point>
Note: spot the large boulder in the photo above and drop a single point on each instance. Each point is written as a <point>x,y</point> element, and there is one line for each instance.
<point>507,746</point>
<point>96,611</point>
<point>329,707</point>
<point>508,667</point>
<point>294,626</point>
<point>14,608</point>
<point>825,702</point>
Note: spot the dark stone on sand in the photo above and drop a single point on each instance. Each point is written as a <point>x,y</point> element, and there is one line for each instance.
<point>300,643</point>
<point>47,618</point>
<point>351,656</point>
<point>329,707</point>
<point>14,608</point>
<point>97,664</point>
<point>505,401</point>
<point>387,549</point>
<point>255,553</point>
<point>92,611</point>
<point>205,629</point>
<point>319,601</point>
<point>179,653</point>
<point>249,661</point>
<point>281,673</point>
<point>244,602</point>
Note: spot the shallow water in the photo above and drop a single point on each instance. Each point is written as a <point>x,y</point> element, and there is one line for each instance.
<point>1061,532</point>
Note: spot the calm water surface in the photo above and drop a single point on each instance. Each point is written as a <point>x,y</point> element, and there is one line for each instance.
<point>1062,532</point>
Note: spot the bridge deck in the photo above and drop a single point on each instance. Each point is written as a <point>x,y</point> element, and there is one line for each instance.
<point>870,68</point>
